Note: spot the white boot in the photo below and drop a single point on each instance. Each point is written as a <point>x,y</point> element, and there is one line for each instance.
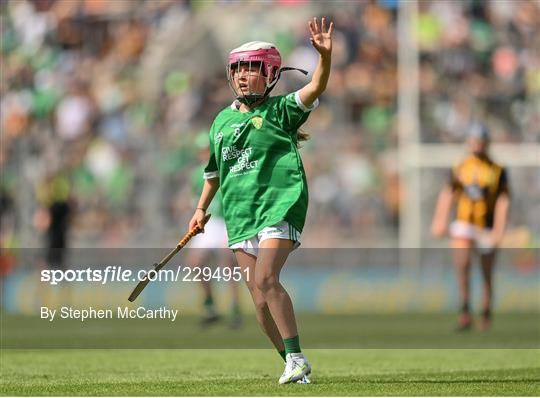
<point>304,380</point>
<point>296,367</point>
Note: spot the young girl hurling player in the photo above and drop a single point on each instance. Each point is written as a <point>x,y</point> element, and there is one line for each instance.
<point>254,161</point>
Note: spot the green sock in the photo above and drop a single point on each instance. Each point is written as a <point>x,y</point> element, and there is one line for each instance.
<point>208,301</point>
<point>209,305</point>
<point>292,345</point>
<point>283,354</point>
<point>235,310</point>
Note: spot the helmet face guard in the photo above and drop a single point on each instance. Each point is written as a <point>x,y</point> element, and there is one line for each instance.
<point>247,93</point>
<point>263,56</point>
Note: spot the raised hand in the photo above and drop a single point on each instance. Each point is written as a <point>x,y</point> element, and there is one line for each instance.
<point>320,38</point>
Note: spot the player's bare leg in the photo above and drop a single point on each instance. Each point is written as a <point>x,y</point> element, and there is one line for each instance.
<point>268,324</point>
<point>487,261</point>
<point>272,256</point>
<point>247,261</point>
<point>462,250</point>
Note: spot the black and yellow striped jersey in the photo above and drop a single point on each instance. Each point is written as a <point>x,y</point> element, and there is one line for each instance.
<point>477,182</point>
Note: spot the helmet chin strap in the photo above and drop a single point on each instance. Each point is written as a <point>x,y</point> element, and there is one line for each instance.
<point>287,68</point>
<point>250,99</point>
<point>284,69</point>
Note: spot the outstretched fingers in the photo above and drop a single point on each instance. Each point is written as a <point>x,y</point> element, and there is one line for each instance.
<point>311,28</point>
<point>316,29</point>
<point>319,33</point>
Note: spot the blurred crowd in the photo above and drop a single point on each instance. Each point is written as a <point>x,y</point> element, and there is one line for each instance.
<point>480,59</point>
<point>101,107</point>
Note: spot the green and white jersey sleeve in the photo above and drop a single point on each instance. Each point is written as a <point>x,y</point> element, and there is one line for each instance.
<point>211,169</point>
<point>255,156</point>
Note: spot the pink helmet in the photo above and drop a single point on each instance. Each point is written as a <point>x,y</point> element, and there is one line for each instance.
<point>258,52</point>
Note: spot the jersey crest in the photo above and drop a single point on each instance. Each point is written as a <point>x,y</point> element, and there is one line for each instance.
<point>257,122</point>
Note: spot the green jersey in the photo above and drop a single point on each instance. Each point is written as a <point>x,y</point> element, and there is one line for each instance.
<point>255,156</point>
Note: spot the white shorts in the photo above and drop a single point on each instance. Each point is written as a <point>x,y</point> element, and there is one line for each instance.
<point>481,237</point>
<point>214,236</point>
<point>281,230</point>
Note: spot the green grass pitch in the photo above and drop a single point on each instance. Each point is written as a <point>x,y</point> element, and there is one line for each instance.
<point>255,372</point>
<point>373,355</point>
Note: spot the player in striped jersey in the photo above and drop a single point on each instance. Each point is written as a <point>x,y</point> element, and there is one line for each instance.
<point>479,187</point>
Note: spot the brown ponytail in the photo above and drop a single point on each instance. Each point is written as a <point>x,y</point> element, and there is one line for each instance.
<point>301,136</point>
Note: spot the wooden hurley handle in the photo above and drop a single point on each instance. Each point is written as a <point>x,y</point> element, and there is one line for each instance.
<point>194,231</point>
<point>142,284</point>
